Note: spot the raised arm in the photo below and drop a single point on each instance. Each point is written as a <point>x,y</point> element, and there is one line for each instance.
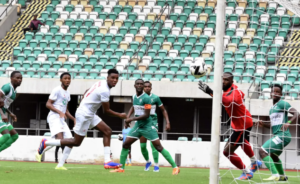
<point>205,88</point>
<point>108,111</point>
<point>166,116</point>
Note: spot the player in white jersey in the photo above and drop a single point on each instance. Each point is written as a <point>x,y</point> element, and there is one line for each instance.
<point>57,104</point>
<point>86,117</point>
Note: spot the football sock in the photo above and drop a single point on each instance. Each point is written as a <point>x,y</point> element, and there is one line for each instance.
<point>168,157</point>
<point>53,142</point>
<point>270,164</point>
<point>248,149</point>
<point>154,153</point>
<point>253,159</point>
<point>279,167</point>
<point>123,157</point>
<point>47,148</point>
<point>235,160</point>
<point>3,140</point>
<point>9,142</point>
<point>65,156</point>
<point>130,160</point>
<point>107,154</point>
<point>145,151</point>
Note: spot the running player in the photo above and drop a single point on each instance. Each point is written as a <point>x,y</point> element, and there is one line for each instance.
<point>125,132</point>
<point>143,127</point>
<point>57,104</point>
<point>155,102</point>
<point>86,118</point>
<point>8,93</point>
<point>272,149</point>
<point>241,122</point>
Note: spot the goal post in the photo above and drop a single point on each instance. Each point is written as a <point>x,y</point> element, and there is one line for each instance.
<point>217,98</point>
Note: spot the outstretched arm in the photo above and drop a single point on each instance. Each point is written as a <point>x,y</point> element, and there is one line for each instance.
<point>142,117</point>
<point>260,123</point>
<point>205,88</point>
<point>108,111</point>
<point>166,116</point>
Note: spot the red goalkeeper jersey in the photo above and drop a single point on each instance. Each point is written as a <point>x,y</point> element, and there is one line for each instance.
<point>233,100</point>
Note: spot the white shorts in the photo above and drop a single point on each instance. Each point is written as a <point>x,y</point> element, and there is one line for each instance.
<point>58,125</point>
<point>83,123</point>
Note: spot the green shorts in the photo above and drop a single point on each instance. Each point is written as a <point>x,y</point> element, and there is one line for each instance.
<point>5,126</point>
<point>149,132</point>
<point>276,144</point>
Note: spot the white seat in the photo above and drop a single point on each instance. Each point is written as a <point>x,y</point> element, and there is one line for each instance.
<point>173,53</point>
<point>42,57</point>
<point>146,60</point>
<point>74,15</point>
<point>267,92</point>
<point>273,4</point>
<point>165,79</point>
<point>9,70</point>
<point>250,55</point>
<point>193,16</point>
<point>167,9</point>
<point>142,16</point>
<point>94,15</point>
<point>112,2</point>
<point>73,58</point>
<point>129,37</point>
<point>151,2</point>
<point>178,9</point>
<point>264,18</point>
<point>59,7</point>
<point>198,60</point>
<point>64,29</point>
<point>226,40</point>
<point>84,15</point>
<point>125,59</point>
<point>137,9</point>
<point>261,69</point>
<point>188,60</point>
<point>78,8</point>
<point>98,22</point>
<point>44,29</point>
<point>240,32</point>
<point>229,10</point>
<point>169,23</point>
<point>176,31</point>
<point>64,15</point>
<point>61,71</point>
<point>103,2</point>
<point>281,77</point>
<point>113,29</point>
<point>144,30</point>
<point>107,8</point>
<point>186,31</point>
<point>120,66</point>
<point>239,10</point>
<point>232,24</point>
<point>210,47</point>
<point>64,2</point>
<point>156,9</point>
<point>208,31</point>
<point>147,9</point>
<point>123,15</point>
<point>103,73</point>
<point>281,10</point>
<point>279,40</point>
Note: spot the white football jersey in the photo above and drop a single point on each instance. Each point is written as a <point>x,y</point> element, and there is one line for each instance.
<point>61,98</point>
<point>98,93</point>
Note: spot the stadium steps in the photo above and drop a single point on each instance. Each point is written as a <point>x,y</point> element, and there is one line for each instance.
<point>13,37</point>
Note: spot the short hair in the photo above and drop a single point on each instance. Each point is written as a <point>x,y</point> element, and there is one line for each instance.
<point>65,73</point>
<point>13,73</point>
<point>278,86</point>
<point>110,71</point>
<point>138,80</point>
<point>148,82</point>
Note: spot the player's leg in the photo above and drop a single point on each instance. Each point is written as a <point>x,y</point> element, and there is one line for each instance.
<point>155,155</point>
<point>5,135</point>
<point>65,149</point>
<point>129,156</point>
<point>279,167</point>
<point>56,154</point>
<point>13,138</point>
<point>143,144</point>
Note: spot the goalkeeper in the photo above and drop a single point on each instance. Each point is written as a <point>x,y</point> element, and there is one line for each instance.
<point>272,149</point>
<point>241,122</point>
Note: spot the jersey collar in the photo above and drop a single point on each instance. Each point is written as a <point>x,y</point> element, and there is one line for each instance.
<point>12,87</point>
<point>140,95</point>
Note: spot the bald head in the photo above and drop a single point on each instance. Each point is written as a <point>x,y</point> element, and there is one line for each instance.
<point>227,80</point>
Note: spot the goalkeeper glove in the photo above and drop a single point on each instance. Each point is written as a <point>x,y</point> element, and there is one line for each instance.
<point>205,88</point>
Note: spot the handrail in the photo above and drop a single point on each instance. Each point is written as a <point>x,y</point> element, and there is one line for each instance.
<point>10,4</point>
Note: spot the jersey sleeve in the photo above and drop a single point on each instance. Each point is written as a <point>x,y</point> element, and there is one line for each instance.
<point>54,94</point>
<point>158,102</point>
<point>147,103</point>
<point>5,89</point>
<point>104,96</point>
<point>284,105</point>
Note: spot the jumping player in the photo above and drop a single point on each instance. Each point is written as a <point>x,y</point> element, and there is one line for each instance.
<point>86,118</point>
<point>143,127</point>
<point>8,94</point>
<point>155,102</point>
<point>241,122</point>
<point>272,149</point>
<point>57,104</point>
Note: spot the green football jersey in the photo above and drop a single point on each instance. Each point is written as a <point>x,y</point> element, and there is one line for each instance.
<point>140,103</point>
<point>279,115</point>
<point>155,102</point>
<point>9,95</point>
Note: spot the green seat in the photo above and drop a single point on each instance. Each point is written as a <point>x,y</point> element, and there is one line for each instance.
<point>119,52</point>
<point>258,77</point>
<point>126,74</point>
<point>177,46</point>
<point>58,51</point>
<point>246,78</point>
<point>294,70</point>
<point>228,54</point>
<point>272,69</point>
<point>63,44</point>
<point>287,85</point>
<point>159,74</point>
<point>49,22</point>
<point>88,65</point>
<point>185,68</point>
<point>57,64</point>
<point>83,58</point>
<point>291,77</point>
<point>17,64</point>
<point>93,58</point>
<point>131,66</point>
<point>68,51</point>
<point>93,30</point>
<point>180,75</point>
<point>253,47</point>
<point>211,24</point>
<point>129,52</point>
<point>98,52</point>
<point>294,93</point>
<point>69,22</point>
<point>240,62</point>
<point>27,50</point>
<point>31,57</point>
<point>94,72</point>
<point>54,29</point>
<point>74,29</point>
<point>83,44</point>
<point>237,76</point>
<point>30,71</point>
<point>233,17</point>
<point>83,72</point>
<point>103,15</point>
<point>148,74</point>
<point>46,64</point>
<point>230,32</point>
<point>193,38</point>
<point>109,52</point>
<point>253,25</point>
<point>243,46</point>
<point>29,36</point>
<point>190,24</point>
<point>99,66</point>
<point>78,51</point>
<point>21,57</point>
<point>52,72</point>
<point>179,23</point>
<point>297,85</point>
<point>68,65</point>
<point>137,73</point>
<point>156,45</point>
<point>98,37</point>
<point>178,60</point>
<point>170,75</point>
<point>203,39</point>
<point>89,36</point>
<point>295,20</point>
<point>195,53</point>
<point>163,67</point>
<point>200,24</point>
<point>174,16</point>
<point>103,44</point>
<point>69,36</point>
<point>53,44</point>
<point>23,43</point>
<point>114,59</point>
<point>174,67</point>
<point>152,52</point>
<point>250,69</point>
<point>117,9</point>
<point>104,59</point>
<point>98,8</point>
<point>271,57</point>
<point>158,23</point>
<point>160,38</point>
<point>45,14</point>
<point>153,67</point>
<point>162,53</point>
<point>239,54</point>
<point>228,68</point>
<point>132,16</point>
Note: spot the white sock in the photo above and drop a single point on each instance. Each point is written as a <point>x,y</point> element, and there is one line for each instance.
<point>65,156</point>
<point>246,170</point>
<point>156,164</point>
<point>277,175</point>
<point>53,142</point>
<point>107,154</point>
<point>253,159</point>
<point>47,148</point>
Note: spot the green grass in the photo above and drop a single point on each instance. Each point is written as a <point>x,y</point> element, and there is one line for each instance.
<point>44,173</point>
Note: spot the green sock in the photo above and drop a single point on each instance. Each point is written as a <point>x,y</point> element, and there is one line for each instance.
<point>168,157</point>
<point>123,157</point>
<point>270,164</point>
<point>145,151</point>
<point>279,167</point>
<point>154,153</point>
<point>3,140</point>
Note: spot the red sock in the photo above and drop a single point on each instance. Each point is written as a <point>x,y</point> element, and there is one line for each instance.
<point>235,160</point>
<point>247,149</point>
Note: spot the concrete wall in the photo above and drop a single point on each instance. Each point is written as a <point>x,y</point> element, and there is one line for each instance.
<point>7,21</point>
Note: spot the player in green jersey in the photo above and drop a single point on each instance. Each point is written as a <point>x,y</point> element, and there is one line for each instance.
<point>143,127</point>
<point>155,102</point>
<point>8,93</point>
<point>272,149</point>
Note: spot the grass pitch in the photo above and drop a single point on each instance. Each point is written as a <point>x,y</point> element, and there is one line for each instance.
<point>44,173</point>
